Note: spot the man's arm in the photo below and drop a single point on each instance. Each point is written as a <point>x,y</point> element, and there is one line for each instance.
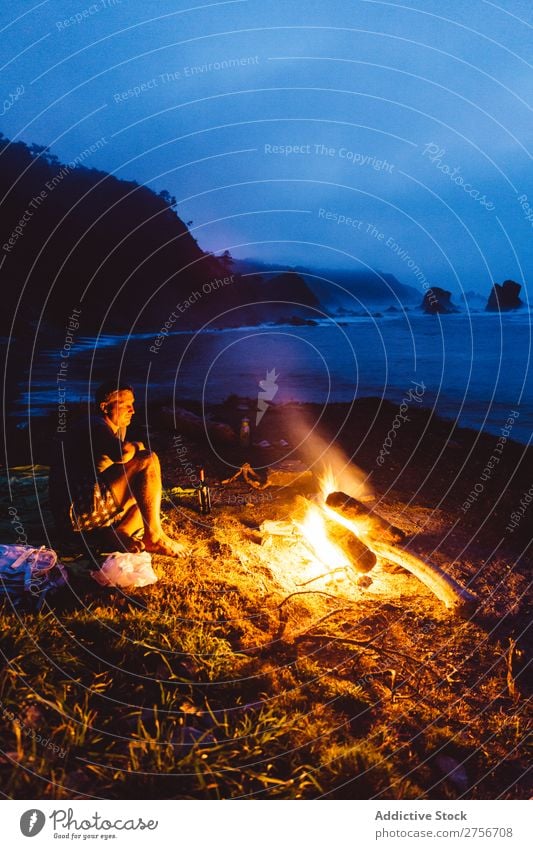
<point>129,450</point>
<point>109,448</point>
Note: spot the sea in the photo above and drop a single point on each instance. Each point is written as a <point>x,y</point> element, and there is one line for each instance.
<point>474,368</point>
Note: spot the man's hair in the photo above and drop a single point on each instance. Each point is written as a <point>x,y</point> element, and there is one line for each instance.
<point>108,389</point>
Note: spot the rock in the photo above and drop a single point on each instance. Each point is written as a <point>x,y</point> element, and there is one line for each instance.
<point>437,300</point>
<point>365,581</point>
<point>506,297</point>
<point>297,321</point>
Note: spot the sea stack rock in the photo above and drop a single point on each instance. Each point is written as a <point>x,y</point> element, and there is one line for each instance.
<point>437,300</point>
<point>506,297</point>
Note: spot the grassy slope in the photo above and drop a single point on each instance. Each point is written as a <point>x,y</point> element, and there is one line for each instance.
<point>214,684</point>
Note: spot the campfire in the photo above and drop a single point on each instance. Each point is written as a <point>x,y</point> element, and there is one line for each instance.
<point>337,535</point>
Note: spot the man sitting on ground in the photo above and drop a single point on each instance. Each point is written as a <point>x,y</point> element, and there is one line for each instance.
<point>104,481</point>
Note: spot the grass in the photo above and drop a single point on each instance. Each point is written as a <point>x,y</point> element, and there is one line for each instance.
<point>183,690</point>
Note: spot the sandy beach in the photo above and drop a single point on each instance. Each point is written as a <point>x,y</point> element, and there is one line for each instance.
<point>253,679</point>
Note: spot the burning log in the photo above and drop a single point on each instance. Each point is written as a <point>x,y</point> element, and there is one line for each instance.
<point>375,525</point>
<point>358,554</point>
<point>378,534</point>
<point>348,543</point>
<point>334,546</point>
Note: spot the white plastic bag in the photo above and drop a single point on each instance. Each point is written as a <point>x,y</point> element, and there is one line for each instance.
<point>27,574</point>
<point>126,570</point>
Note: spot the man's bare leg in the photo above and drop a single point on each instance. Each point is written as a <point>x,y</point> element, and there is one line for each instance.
<point>126,530</point>
<point>147,489</point>
<point>140,479</point>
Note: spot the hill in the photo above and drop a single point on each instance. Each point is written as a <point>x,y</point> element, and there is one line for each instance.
<point>75,236</point>
<point>339,291</point>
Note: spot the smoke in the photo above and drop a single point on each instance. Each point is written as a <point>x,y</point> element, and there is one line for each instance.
<point>323,455</point>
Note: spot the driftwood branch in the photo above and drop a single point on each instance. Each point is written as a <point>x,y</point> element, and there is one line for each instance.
<point>380,537</point>
<point>450,592</point>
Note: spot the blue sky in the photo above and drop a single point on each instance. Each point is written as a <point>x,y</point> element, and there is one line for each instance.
<point>316,133</point>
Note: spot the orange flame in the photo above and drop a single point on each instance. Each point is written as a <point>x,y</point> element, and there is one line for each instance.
<point>328,483</point>
<point>314,531</point>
